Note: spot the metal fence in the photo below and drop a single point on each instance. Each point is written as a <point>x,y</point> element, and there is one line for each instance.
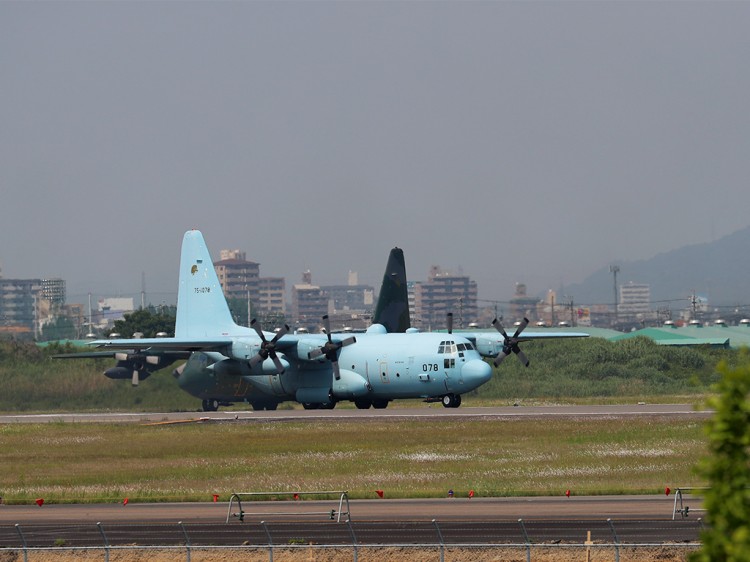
<point>361,541</point>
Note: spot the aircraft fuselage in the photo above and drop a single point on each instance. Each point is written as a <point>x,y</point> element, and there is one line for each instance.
<point>377,368</point>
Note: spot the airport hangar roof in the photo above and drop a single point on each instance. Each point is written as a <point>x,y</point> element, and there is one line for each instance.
<point>719,335</point>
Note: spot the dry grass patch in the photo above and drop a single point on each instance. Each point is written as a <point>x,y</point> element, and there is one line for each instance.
<point>86,462</point>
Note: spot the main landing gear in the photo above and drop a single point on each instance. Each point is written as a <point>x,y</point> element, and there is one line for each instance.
<point>365,403</point>
<point>211,405</point>
<point>319,405</point>
<point>451,400</point>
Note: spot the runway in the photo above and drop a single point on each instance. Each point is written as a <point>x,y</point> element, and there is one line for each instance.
<point>422,412</point>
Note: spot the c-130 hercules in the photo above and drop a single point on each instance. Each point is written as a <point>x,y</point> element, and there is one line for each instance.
<point>228,363</point>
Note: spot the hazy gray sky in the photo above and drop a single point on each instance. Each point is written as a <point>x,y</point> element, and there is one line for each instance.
<point>529,141</point>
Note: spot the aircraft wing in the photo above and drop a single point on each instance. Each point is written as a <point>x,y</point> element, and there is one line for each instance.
<point>85,355</point>
<point>492,335</point>
<point>499,344</point>
<point>165,344</point>
<point>550,335</point>
<point>162,346</point>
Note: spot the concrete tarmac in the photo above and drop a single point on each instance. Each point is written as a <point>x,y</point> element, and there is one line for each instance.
<point>427,412</point>
<point>561,508</point>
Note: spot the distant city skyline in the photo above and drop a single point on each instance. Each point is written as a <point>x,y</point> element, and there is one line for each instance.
<point>631,274</point>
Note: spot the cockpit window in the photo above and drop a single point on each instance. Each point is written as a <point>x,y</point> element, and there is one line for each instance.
<point>447,347</point>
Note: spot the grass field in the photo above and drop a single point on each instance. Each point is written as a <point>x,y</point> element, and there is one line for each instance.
<point>71,462</point>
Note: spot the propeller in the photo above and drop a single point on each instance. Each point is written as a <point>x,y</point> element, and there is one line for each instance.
<point>450,322</point>
<point>511,343</point>
<point>177,372</point>
<point>267,348</point>
<point>331,348</point>
<point>137,360</point>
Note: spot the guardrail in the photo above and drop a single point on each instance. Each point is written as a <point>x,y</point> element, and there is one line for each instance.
<point>679,497</point>
<point>331,513</point>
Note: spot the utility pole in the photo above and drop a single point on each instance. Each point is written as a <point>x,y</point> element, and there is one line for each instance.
<point>614,270</point>
<point>143,290</point>
<point>552,308</point>
<point>694,303</point>
<point>247,288</point>
<point>569,302</point>
<point>91,330</point>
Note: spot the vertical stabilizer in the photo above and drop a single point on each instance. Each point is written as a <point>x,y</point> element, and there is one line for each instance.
<point>202,310</point>
<point>392,310</point>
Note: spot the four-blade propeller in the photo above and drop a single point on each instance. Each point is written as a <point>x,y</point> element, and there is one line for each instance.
<point>331,348</point>
<point>267,348</point>
<point>138,362</point>
<point>511,343</point>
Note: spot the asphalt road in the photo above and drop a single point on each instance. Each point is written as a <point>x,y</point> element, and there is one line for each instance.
<point>443,509</point>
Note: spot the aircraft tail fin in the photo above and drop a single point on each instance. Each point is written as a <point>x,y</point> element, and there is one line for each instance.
<point>392,310</point>
<point>202,310</point>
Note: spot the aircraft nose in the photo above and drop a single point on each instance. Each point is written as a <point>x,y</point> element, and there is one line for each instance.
<point>476,372</point>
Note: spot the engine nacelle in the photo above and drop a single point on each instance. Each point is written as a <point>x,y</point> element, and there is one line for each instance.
<point>489,346</point>
<point>350,385</point>
<point>241,368</point>
<point>304,347</point>
<point>124,371</point>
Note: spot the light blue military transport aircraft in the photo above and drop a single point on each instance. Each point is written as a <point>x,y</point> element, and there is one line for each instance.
<point>228,363</point>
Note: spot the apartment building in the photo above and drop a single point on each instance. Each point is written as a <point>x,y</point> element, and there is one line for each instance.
<point>445,292</point>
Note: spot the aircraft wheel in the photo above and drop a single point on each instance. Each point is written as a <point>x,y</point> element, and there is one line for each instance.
<point>259,406</point>
<point>310,406</point>
<point>362,403</point>
<point>328,405</point>
<point>211,405</point>
<point>380,403</point>
<point>451,401</point>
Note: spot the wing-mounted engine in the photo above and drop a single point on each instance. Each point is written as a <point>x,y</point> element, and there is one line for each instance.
<point>510,344</point>
<point>137,366</point>
<point>267,349</point>
<point>331,349</point>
